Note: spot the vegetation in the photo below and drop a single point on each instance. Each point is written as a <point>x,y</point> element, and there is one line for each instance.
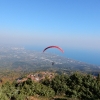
<point>61,87</point>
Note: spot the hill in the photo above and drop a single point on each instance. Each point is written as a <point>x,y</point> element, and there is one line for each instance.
<point>77,86</point>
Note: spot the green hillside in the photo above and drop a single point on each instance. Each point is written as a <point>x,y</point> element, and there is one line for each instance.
<point>77,86</point>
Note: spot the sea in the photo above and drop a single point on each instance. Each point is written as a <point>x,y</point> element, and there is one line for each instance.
<point>87,56</point>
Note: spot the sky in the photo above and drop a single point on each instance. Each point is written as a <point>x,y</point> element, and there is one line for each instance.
<point>70,24</point>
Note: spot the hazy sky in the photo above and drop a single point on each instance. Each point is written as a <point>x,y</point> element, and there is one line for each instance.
<point>67,23</point>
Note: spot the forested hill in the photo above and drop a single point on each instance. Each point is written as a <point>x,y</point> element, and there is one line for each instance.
<point>77,86</point>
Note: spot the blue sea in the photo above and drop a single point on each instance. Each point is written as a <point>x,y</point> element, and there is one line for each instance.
<point>87,56</point>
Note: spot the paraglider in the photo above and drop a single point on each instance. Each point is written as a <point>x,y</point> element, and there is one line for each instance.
<point>53,47</point>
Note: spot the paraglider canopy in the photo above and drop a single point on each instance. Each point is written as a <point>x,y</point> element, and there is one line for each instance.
<point>54,47</point>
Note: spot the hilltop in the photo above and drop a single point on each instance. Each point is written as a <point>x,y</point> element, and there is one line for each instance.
<point>77,86</point>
